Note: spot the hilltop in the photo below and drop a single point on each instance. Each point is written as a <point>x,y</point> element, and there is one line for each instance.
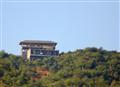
<point>90,67</point>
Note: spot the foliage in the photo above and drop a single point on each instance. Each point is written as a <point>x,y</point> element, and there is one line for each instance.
<point>90,67</point>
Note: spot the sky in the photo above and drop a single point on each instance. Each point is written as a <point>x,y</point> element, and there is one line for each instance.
<point>73,24</point>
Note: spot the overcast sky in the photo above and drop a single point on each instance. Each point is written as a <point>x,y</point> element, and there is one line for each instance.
<point>73,25</point>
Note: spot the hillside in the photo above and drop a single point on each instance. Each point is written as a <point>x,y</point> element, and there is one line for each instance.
<point>90,67</point>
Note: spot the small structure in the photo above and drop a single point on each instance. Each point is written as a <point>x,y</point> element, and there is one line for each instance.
<point>34,49</point>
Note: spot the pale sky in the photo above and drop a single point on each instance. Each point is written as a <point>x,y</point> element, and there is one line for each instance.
<point>73,25</point>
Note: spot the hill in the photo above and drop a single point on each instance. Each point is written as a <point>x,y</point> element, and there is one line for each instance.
<point>90,67</point>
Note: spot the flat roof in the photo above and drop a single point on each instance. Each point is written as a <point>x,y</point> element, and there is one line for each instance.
<point>37,42</point>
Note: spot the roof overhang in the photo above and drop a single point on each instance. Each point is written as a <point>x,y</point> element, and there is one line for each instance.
<point>37,42</point>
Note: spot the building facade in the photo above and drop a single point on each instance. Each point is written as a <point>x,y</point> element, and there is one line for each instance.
<point>34,49</point>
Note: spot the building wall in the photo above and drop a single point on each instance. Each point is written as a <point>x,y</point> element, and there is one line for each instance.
<point>24,53</point>
<point>28,54</point>
<point>48,47</point>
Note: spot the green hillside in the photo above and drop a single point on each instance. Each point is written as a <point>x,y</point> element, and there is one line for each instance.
<point>90,67</point>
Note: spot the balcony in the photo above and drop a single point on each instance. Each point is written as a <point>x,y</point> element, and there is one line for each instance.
<point>44,53</point>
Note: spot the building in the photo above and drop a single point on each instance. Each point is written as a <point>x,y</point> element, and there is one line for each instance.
<point>34,49</point>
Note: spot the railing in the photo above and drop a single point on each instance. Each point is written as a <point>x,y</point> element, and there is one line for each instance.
<point>46,53</point>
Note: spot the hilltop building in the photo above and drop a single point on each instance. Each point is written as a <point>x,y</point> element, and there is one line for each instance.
<point>34,49</point>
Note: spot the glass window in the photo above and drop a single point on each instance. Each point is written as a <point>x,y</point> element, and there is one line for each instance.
<point>37,51</point>
<point>32,52</point>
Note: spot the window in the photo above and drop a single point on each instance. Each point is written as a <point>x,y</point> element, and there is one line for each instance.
<point>32,52</point>
<point>49,53</point>
<point>37,51</point>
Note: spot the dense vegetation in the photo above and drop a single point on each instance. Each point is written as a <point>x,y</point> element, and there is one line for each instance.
<point>90,67</point>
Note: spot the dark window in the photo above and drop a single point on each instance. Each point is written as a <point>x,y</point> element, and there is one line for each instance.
<point>37,51</point>
<point>48,53</point>
<point>32,52</point>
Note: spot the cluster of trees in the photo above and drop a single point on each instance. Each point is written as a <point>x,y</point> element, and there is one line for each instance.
<point>90,67</point>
